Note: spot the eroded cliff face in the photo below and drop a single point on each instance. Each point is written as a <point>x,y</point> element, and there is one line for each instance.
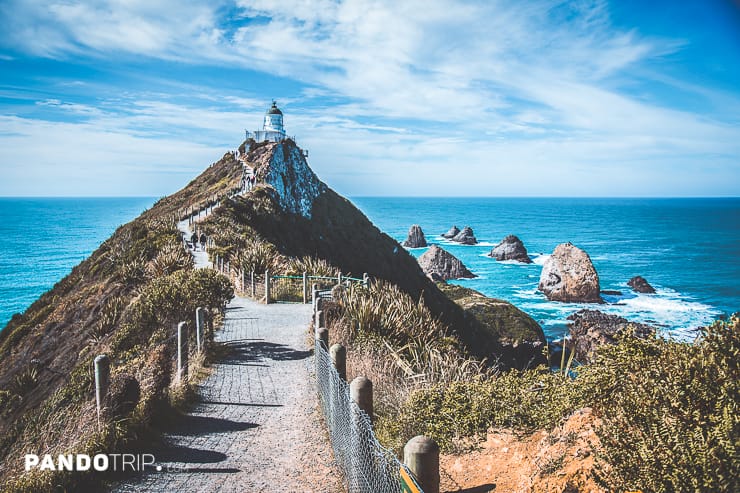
<point>283,167</point>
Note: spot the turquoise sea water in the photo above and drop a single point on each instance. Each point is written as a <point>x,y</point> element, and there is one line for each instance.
<point>688,249</point>
<point>41,239</point>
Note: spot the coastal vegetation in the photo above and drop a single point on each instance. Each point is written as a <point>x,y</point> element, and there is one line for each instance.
<point>122,301</point>
<point>445,361</point>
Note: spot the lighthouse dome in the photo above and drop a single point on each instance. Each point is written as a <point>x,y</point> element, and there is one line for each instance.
<point>274,110</point>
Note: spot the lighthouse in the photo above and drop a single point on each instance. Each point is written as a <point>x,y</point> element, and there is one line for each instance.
<point>272,128</point>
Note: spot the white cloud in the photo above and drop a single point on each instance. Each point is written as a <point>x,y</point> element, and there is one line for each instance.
<point>414,88</point>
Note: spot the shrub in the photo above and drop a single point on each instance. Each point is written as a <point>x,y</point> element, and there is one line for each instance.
<point>670,412</point>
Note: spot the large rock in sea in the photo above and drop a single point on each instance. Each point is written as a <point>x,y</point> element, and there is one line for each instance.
<point>511,248</point>
<point>569,276</point>
<point>640,285</point>
<point>465,236</point>
<point>440,265</point>
<point>454,230</point>
<point>591,329</point>
<point>498,330</point>
<point>415,238</point>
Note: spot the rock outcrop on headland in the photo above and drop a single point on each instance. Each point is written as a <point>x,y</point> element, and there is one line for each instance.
<point>512,338</point>
<point>415,238</point>
<point>640,285</point>
<point>569,276</point>
<point>453,231</point>
<point>441,265</point>
<point>466,236</point>
<point>591,329</point>
<point>511,248</point>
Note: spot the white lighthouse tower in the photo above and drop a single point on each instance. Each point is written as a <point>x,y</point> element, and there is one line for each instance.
<point>272,129</point>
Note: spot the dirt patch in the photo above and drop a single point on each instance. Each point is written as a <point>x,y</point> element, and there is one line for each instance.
<point>560,461</point>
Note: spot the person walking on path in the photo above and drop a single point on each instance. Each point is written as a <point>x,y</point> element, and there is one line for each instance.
<point>194,241</point>
<point>203,241</point>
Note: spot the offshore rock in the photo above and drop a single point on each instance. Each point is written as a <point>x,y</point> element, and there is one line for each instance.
<point>640,285</point>
<point>415,238</point>
<point>454,230</point>
<point>511,248</point>
<point>591,329</point>
<point>569,276</point>
<point>465,236</point>
<point>440,265</point>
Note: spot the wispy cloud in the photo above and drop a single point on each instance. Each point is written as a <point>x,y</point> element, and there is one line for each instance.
<point>544,85</point>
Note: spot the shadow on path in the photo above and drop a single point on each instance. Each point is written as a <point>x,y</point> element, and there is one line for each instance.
<point>189,425</point>
<point>174,453</point>
<point>250,352</point>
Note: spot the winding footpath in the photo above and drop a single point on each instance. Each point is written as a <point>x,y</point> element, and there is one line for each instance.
<point>255,425</point>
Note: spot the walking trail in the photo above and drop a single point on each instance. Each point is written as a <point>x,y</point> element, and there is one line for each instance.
<point>255,425</point>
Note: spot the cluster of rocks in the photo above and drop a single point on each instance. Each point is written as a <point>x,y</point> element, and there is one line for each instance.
<point>464,236</point>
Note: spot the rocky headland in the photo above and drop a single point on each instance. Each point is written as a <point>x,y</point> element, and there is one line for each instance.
<point>591,329</point>
<point>568,275</point>
<point>511,248</point>
<point>441,265</point>
<point>415,238</point>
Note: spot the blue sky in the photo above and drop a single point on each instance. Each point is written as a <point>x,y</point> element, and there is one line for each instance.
<point>489,98</point>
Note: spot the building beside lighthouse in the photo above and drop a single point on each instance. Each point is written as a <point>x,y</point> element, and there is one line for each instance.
<point>272,128</point>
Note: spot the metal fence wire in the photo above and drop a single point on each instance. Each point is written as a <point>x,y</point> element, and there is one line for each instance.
<point>367,466</point>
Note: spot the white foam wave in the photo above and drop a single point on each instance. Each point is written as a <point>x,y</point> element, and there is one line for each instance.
<point>540,258</point>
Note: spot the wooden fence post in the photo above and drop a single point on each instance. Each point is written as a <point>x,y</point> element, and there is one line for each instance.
<point>102,381</point>
<point>361,391</point>
<point>338,355</point>
<point>305,287</point>
<point>182,352</point>
<point>199,329</point>
<point>254,288</point>
<point>267,287</point>
<point>421,456</point>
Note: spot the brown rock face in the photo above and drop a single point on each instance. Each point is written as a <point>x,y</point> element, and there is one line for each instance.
<point>640,285</point>
<point>511,248</point>
<point>591,329</point>
<point>415,238</point>
<point>466,236</point>
<point>440,265</point>
<point>569,276</point>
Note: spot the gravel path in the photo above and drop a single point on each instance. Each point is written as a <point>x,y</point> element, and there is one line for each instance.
<point>256,426</point>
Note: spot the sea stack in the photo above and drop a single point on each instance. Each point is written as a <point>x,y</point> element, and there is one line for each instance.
<point>453,231</point>
<point>415,238</point>
<point>440,265</point>
<point>465,236</point>
<point>569,276</point>
<point>511,248</point>
<point>640,285</point>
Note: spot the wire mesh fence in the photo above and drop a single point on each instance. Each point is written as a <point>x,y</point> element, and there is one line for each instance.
<point>367,466</point>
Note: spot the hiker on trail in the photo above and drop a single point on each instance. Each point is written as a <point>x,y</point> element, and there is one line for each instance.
<point>203,240</point>
<point>194,241</point>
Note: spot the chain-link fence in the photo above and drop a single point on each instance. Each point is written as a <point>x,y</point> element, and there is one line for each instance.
<point>367,466</point>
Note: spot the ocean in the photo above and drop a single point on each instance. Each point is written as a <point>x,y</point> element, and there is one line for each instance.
<point>688,249</point>
<point>41,239</point>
